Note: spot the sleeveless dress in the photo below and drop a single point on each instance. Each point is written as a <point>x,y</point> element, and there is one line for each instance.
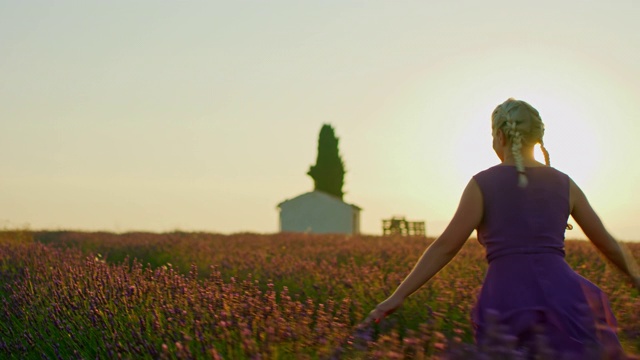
<point>530,295</point>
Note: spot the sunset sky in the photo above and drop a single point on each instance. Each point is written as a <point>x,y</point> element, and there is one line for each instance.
<point>203,116</point>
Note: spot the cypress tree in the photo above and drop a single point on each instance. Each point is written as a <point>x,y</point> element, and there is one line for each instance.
<point>328,172</point>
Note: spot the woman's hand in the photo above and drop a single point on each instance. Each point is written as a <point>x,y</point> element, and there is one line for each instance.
<point>383,309</point>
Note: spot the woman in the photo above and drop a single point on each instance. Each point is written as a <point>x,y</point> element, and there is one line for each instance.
<point>520,209</point>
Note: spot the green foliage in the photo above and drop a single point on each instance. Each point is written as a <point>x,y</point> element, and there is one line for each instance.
<point>328,172</point>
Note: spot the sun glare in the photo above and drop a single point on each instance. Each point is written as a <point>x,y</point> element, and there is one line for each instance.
<point>570,137</point>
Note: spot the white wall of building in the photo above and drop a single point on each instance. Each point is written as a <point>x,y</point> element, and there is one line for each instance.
<point>320,213</point>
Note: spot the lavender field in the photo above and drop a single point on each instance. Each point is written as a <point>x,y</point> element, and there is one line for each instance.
<point>72,295</point>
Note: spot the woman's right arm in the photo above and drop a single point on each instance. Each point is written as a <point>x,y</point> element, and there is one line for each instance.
<point>593,227</point>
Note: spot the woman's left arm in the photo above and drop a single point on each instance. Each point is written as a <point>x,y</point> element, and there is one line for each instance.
<point>442,250</point>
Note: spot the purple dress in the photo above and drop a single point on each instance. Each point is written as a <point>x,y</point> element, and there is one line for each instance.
<point>529,292</point>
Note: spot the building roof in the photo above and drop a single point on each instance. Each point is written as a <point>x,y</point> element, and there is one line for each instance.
<point>318,193</point>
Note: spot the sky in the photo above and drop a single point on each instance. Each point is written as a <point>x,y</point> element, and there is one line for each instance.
<point>204,115</point>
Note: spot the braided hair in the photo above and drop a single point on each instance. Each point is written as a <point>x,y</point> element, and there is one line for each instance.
<point>522,125</point>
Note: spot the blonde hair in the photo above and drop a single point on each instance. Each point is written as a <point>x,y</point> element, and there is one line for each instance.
<point>522,125</point>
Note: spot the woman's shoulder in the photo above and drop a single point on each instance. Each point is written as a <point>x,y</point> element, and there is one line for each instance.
<point>499,170</point>
<point>494,170</point>
<point>488,175</point>
<point>503,167</point>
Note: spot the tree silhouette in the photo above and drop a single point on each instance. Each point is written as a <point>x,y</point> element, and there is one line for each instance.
<point>328,172</point>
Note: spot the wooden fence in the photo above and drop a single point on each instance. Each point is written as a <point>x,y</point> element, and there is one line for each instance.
<point>400,226</point>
